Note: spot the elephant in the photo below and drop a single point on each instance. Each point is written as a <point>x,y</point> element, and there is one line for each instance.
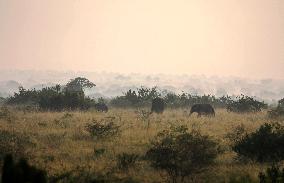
<point>202,109</point>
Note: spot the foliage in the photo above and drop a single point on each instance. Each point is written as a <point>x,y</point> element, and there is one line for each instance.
<point>238,178</point>
<point>125,160</point>
<point>78,85</point>
<point>246,104</point>
<point>144,116</point>
<point>181,153</point>
<point>273,174</point>
<point>89,175</point>
<point>13,143</point>
<point>2,100</point>
<point>136,98</point>
<point>21,172</point>
<point>56,98</point>
<point>142,97</point>
<point>102,129</point>
<point>278,111</point>
<point>264,145</point>
<point>186,100</point>
<point>24,97</point>
<point>237,133</point>
<point>6,114</point>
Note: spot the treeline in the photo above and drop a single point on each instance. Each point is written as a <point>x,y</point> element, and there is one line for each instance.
<point>57,98</point>
<point>72,97</point>
<point>142,97</point>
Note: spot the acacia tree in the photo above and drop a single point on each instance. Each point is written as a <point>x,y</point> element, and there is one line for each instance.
<point>79,84</point>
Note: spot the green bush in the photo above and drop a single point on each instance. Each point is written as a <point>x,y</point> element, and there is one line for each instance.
<point>245,104</point>
<point>278,111</point>
<point>264,145</point>
<point>13,143</point>
<point>273,174</point>
<point>181,153</point>
<point>125,161</point>
<point>6,114</point>
<point>56,98</point>
<point>102,129</point>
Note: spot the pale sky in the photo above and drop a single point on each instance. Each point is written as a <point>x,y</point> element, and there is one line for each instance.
<point>212,37</point>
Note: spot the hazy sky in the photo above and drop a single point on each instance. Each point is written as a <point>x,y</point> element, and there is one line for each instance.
<point>222,37</point>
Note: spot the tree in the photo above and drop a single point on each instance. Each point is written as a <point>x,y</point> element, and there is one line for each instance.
<point>79,84</point>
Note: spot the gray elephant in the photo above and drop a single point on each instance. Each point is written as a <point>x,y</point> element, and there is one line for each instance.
<point>202,109</point>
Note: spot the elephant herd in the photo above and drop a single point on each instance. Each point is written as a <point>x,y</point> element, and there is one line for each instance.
<point>158,106</point>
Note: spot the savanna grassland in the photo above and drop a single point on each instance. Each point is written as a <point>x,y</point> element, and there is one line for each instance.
<point>59,142</point>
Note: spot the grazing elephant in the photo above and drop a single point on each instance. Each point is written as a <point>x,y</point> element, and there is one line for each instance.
<point>202,109</point>
<point>158,105</point>
<point>101,107</point>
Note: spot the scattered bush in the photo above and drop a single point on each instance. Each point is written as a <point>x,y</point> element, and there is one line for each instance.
<point>125,160</point>
<point>140,97</point>
<point>99,152</point>
<point>89,175</point>
<point>13,143</point>
<point>6,114</point>
<point>144,116</point>
<point>239,178</point>
<point>272,175</point>
<point>246,104</point>
<point>278,111</point>
<point>237,133</point>
<point>181,153</point>
<point>102,129</point>
<point>21,172</point>
<point>264,145</point>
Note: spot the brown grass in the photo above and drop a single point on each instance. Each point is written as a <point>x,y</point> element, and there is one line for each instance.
<point>62,143</point>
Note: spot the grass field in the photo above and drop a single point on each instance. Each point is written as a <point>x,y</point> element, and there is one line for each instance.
<point>59,142</point>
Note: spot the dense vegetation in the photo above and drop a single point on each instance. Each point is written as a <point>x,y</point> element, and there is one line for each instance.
<point>181,153</point>
<point>264,145</point>
<point>278,111</point>
<point>135,145</point>
<point>55,98</point>
<point>245,104</point>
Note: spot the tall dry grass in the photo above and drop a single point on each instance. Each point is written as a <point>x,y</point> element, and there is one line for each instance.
<point>61,143</point>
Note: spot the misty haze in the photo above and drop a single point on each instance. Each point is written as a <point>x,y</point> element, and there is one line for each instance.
<point>129,91</point>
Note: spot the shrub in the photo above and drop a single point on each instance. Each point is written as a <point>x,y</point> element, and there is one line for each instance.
<point>246,104</point>
<point>278,111</point>
<point>272,175</point>
<point>21,172</point>
<point>56,98</point>
<point>181,153</point>
<point>264,145</point>
<point>6,114</point>
<point>103,129</point>
<point>140,97</point>
<point>237,133</point>
<point>144,116</point>
<point>125,160</point>
<point>239,178</point>
<point>13,143</point>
